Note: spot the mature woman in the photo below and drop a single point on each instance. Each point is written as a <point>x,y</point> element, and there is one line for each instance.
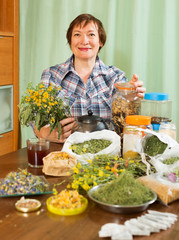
<point>84,78</point>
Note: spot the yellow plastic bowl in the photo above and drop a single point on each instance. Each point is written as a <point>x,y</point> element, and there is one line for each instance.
<point>67,212</point>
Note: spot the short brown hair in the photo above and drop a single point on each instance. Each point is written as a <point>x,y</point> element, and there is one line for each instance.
<point>87,18</point>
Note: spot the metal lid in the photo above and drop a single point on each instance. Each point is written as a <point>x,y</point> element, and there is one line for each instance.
<point>155,96</point>
<point>90,118</point>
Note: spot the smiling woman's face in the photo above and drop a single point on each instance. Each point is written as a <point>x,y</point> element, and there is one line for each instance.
<point>85,41</point>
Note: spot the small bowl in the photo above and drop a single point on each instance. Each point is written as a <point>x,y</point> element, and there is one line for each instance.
<point>67,212</point>
<point>123,209</point>
<point>27,205</point>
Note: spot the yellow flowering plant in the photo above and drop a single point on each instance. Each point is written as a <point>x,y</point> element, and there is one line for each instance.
<point>104,168</point>
<point>41,106</point>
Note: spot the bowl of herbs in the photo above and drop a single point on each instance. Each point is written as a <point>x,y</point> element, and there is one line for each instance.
<point>122,195</point>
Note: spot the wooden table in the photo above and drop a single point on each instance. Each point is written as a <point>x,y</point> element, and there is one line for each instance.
<point>47,226</point>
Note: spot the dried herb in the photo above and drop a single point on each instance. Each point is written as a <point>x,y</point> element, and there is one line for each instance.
<point>135,166</point>
<point>121,108</point>
<point>103,169</point>
<point>171,160</point>
<point>92,146</point>
<point>154,146</point>
<point>124,190</point>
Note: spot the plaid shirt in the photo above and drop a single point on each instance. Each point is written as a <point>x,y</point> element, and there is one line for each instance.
<point>95,95</point>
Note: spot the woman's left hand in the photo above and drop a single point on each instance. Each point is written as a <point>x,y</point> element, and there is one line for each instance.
<point>138,85</point>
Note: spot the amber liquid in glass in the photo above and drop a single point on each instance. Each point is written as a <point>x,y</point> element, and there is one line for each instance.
<point>35,156</point>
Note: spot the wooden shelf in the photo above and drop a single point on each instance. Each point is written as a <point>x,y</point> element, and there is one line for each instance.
<point>6,34</point>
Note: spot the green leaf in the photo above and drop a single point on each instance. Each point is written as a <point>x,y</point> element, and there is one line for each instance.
<point>25,115</point>
<point>37,121</point>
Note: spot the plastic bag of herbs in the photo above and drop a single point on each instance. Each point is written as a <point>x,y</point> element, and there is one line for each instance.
<point>154,144</point>
<point>86,146</point>
<point>167,163</point>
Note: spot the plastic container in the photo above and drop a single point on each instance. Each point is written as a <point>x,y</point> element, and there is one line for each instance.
<point>133,134</point>
<point>158,107</point>
<point>124,102</point>
<point>67,212</point>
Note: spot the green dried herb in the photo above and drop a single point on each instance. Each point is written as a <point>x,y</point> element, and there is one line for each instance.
<point>124,190</point>
<point>136,166</point>
<point>92,146</point>
<point>154,146</point>
<point>171,160</point>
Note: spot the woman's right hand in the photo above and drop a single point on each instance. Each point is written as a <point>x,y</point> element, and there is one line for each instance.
<point>66,128</point>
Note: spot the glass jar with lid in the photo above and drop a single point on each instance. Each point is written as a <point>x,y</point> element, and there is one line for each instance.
<point>158,107</point>
<point>124,102</point>
<point>133,134</point>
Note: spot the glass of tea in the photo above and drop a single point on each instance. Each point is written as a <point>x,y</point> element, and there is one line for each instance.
<point>36,150</point>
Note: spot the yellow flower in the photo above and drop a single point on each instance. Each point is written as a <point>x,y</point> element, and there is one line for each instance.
<point>50,88</point>
<point>75,170</point>
<point>116,158</point>
<point>95,184</point>
<point>122,170</point>
<point>78,165</point>
<point>74,185</point>
<point>55,191</point>
<point>107,168</point>
<point>131,161</point>
<point>80,179</point>
<point>93,177</point>
<point>100,173</point>
<point>90,161</point>
<point>85,186</point>
<point>52,119</point>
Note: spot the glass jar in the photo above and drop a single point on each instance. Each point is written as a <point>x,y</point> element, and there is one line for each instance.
<point>169,129</point>
<point>158,107</point>
<point>124,102</point>
<point>133,134</point>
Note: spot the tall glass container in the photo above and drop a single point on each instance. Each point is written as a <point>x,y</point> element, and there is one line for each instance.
<point>125,102</point>
<point>158,107</point>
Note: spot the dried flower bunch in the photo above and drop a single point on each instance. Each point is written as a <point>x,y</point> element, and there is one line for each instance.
<point>41,106</point>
